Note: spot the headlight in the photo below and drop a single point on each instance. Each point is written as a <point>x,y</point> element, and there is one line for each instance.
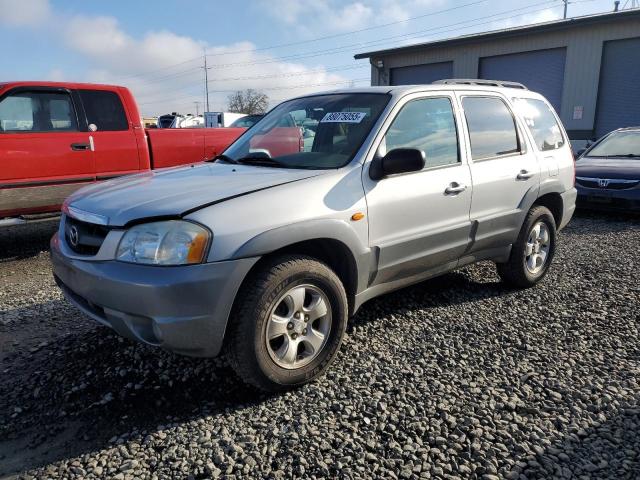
<point>173,242</point>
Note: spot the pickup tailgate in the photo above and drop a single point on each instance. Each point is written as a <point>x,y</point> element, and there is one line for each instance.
<point>170,147</point>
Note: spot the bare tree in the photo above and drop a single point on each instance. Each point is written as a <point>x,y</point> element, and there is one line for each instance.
<point>248,101</point>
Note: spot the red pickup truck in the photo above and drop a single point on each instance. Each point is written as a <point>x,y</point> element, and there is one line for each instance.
<point>57,137</point>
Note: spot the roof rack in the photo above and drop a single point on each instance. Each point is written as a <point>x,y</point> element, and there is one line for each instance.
<point>477,81</point>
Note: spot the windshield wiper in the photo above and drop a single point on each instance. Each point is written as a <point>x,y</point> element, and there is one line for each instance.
<point>261,160</point>
<point>224,158</point>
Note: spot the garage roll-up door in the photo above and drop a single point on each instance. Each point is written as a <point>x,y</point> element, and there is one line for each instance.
<point>541,71</point>
<point>421,74</point>
<point>619,90</point>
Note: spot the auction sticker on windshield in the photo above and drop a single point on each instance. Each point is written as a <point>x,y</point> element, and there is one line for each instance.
<point>343,117</point>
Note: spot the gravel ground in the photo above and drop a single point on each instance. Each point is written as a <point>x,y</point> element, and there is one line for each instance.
<point>457,377</point>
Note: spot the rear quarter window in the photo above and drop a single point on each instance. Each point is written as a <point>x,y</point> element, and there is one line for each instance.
<point>104,109</point>
<point>540,120</point>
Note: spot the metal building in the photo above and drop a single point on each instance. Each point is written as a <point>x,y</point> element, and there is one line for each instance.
<point>588,67</point>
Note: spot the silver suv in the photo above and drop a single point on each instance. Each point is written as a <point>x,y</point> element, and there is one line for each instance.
<point>265,251</point>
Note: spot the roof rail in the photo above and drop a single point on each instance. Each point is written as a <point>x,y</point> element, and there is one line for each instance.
<point>477,81</point>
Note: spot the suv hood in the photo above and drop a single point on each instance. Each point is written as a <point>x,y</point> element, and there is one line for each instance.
<point>598,167</point>
<point>176,192</point>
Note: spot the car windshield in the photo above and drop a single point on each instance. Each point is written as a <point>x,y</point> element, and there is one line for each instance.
<point>315,132</point>
<point>618,144</point>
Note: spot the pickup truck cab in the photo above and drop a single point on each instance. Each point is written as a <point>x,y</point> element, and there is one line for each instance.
<point>57,137</point>
<point>265,254</point>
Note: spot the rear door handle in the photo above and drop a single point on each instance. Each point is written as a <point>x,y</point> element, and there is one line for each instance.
<point>524,175</point>
<point>79,147</point>
<point>454,188</point>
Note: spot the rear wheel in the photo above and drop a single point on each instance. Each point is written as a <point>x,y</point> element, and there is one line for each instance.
<point>288,323</point>
<point>533,251</point>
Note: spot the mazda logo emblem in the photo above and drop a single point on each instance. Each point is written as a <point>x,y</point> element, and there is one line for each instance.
<point>603,182</point>
<point>74,236</point>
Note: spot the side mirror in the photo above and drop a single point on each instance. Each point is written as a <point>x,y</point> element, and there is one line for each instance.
<point>399,160</point>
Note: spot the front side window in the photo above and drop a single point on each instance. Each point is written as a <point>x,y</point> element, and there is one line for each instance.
<point>104,109</point>
<point>541,121</point>
<point>428,125</point>
<point>315,132</point>
<point>492,128</point>
<point>623,144</point>
<point>37,112</point>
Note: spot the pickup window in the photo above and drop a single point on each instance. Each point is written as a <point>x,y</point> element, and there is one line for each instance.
<point>104,109</point>
<point>37,112</point>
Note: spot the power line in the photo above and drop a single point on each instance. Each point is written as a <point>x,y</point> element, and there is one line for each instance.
<point>317,39</point>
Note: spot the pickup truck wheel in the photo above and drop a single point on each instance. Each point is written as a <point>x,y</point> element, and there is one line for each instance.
<point>532,253</point>
<point>288,323</point>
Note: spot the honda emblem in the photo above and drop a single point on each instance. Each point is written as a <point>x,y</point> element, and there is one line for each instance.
<point>603,182</point>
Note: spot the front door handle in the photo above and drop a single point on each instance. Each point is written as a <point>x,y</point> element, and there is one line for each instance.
<point>524,175</point>
<point>454,188</point>
<point>80,147</point>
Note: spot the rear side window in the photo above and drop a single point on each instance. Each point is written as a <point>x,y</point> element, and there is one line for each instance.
<point>492,128</point>
<point>541,121</point>
<point>38,112</point>
<point>104,109</point>
<point>428,125</point>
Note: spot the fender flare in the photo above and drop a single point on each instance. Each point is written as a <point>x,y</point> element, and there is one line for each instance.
<point>330,229</point>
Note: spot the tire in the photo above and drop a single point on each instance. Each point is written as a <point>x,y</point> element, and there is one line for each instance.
<point>298,354</point>
<point>518,271</point>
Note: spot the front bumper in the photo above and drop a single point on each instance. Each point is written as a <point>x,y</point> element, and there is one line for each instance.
<point>183,309</point>
<point>627,200</point>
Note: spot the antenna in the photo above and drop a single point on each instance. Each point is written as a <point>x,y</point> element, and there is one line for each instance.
<point>566,4</point>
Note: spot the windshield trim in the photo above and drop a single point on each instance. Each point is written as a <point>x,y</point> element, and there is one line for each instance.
<point>374,124</point>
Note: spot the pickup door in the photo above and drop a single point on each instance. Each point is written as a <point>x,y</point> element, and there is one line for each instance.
<point>115,147</point>
<point>44,155</point>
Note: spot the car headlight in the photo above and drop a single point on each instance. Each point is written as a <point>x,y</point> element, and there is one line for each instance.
<point>173,242</point>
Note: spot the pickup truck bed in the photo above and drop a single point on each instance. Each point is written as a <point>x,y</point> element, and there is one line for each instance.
<point>57,137</point>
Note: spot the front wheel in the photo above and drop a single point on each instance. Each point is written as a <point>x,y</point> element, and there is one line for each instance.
<point>288,323</point>
<point>533,251</point>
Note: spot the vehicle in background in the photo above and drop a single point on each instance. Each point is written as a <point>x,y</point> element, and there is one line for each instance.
<point>188,121</point>
<point>221,119</point>
<point>57,137</point>
<point>150,122</point>
<point>165,121</point>
<point>267,251</point>
<point>247,121</point>
<point>608,172</point>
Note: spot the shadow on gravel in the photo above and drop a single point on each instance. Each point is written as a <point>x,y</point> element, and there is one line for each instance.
<point>73,396</point>
<point>24,241</point>
<point>453,288</point>
<point>609,449</point>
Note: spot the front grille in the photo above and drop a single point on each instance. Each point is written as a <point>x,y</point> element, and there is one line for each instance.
<point>607,183</point>
<point>82,237</point>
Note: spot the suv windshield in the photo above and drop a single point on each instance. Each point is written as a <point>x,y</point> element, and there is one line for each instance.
<point>618,144</point>
<point>317,132</point>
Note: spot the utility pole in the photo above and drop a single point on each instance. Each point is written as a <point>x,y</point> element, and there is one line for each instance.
<point>566,3</point>
<point>206,81</point>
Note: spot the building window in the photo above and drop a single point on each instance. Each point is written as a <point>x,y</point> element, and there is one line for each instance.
<point>492,128</point>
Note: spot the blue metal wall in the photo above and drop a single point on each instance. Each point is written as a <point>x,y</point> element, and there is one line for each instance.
<point>421,74</point>
<point>541,71</point>
<point>619,89</point>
